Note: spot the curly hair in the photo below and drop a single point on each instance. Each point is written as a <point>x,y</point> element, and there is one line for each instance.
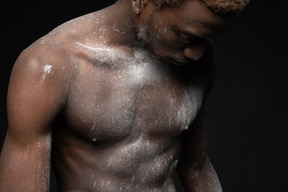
<point>218,6</point>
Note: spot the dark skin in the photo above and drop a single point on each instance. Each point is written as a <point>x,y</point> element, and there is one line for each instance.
<point>116,101</point>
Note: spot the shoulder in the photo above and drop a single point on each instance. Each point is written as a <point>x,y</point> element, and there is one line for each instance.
<point>206,68</point>
<point>41,58</point>
<point>208,59</point>
<point>210,56</point>
<point>44,68</point>
<point>210,51</point>
<point>55,53</point>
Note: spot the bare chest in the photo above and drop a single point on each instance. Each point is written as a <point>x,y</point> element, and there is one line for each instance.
<point>107,103</point>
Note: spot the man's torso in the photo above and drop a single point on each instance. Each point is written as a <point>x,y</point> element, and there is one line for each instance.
<point>124,117</point>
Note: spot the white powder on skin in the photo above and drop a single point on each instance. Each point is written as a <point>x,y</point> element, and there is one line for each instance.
<point>142,33</point>
<point>104,55</point>
<point>45,70</point>
<point>26,153</point>
<point>189,108</point>
<point>110,57</point>
<point>41,169</point>
<point>137,73</point>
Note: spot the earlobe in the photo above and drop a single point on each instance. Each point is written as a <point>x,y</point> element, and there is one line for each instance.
<point>138,5</point>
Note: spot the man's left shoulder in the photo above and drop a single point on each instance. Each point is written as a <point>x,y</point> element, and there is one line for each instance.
<point>209,65</point>
<point>208,58</point>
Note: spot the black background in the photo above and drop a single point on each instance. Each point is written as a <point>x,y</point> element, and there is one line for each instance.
<point>247,108</point>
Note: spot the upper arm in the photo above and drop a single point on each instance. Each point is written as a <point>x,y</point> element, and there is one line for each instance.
<point>35,96</point>
<point>194,145</point>
<point>194,167</point>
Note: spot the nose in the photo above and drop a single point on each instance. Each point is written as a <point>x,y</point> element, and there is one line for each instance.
<point>194,52</point>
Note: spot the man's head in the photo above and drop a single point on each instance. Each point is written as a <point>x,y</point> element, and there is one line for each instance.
<point>218,6</point>
<point>177,30</point>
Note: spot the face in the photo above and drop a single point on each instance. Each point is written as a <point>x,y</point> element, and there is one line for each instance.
<point>179,35</point>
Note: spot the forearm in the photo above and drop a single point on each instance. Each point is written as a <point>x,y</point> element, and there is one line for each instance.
<point>202,179</point>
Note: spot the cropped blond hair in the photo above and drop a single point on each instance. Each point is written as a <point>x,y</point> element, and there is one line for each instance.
<point>218,6</point>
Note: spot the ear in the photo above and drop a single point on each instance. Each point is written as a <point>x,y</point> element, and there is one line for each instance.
<point>138,5</point>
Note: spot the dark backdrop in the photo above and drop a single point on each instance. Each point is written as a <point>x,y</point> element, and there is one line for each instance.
<point>247,109</point>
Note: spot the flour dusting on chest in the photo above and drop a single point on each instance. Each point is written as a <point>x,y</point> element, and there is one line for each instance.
<point>190,106</point>
<point>123,94</point>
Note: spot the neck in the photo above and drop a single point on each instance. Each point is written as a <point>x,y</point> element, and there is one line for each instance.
<point>121,19</point>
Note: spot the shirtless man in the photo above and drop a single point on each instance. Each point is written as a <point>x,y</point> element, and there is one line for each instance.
<point>115,99</point>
